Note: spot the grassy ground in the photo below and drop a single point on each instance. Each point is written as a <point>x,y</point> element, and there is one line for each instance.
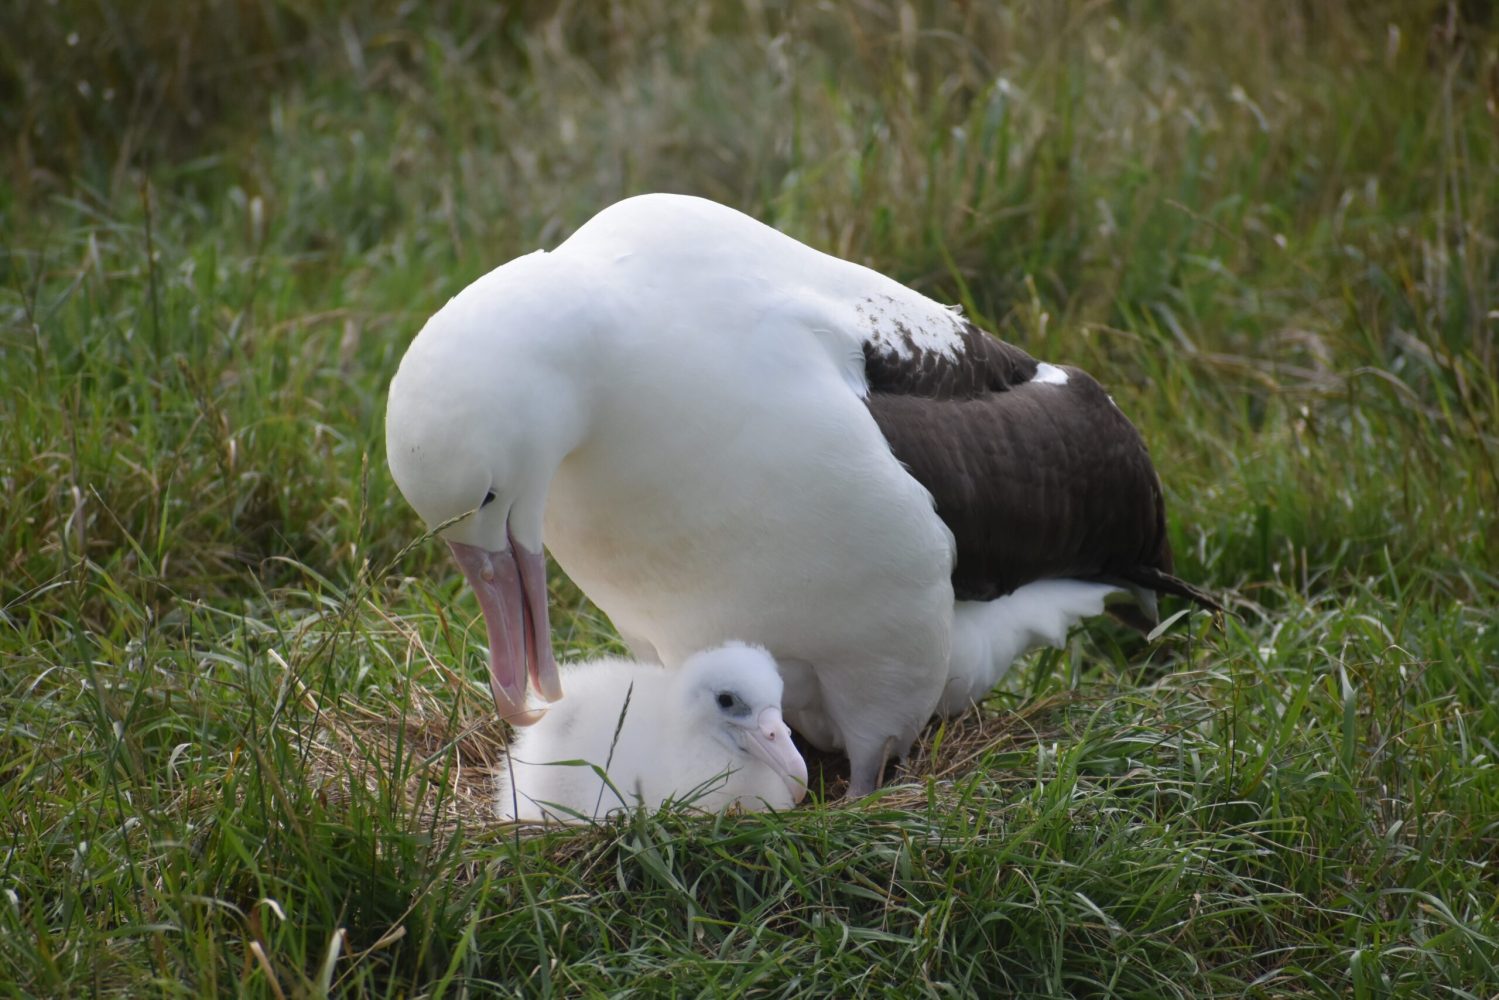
<point>243,722</point>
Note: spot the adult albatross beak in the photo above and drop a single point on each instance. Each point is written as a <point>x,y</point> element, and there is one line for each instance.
<point>512,592</point>
<point>770,741</point>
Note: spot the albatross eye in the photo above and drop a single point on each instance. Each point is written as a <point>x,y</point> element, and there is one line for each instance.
<point>725,700</point>
<point>488,499</point>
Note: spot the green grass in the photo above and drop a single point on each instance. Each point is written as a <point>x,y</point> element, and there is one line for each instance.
<point>1271,233</point>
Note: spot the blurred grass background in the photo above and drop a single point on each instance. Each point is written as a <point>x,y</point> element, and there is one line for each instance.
<point>1269,229</point>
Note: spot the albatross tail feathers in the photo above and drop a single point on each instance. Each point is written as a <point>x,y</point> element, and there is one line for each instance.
<point>987,636</point>
<point>1164,583</point>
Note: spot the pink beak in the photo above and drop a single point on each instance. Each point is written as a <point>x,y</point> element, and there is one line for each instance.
<point>770,741</point>
<point>512,591</point>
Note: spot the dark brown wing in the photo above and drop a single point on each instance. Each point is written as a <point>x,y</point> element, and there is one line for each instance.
<point>1034,480</point>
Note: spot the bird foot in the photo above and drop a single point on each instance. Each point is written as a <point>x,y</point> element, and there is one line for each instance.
<point>867,769</point>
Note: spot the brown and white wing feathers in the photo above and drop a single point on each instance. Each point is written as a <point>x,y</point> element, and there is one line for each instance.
<point>1032,467</point>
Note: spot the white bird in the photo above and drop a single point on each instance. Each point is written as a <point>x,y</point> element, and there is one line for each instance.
<point>709,734</point>
<point>720,432</point>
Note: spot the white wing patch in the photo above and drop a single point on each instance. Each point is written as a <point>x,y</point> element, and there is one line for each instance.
<point>905,327</point>
<point>1049,375</point>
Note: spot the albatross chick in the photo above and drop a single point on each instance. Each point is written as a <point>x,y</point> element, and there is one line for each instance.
<point>708,734</point>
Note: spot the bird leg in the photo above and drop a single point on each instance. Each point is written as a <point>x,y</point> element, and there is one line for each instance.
<point>866,762</point>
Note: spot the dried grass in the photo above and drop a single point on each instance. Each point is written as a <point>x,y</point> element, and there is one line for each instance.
<point>441,762</point>
<point>438,760</point>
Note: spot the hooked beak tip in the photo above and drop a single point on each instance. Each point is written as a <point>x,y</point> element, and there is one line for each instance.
<point>549,685</point>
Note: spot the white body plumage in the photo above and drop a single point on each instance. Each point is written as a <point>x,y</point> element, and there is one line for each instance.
<point>708,735</point>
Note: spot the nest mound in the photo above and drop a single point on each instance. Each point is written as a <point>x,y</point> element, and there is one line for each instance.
<point>441,759</point>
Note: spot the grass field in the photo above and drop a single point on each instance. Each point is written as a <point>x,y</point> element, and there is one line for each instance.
<point>243,733</point>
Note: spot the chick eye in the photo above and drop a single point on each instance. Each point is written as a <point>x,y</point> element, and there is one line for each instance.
<point>725,700</point>
<point>488,499</point>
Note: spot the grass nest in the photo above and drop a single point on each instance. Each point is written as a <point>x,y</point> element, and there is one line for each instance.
<point>439,759</point>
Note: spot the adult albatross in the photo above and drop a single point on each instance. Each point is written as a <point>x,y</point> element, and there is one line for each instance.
<point>721,433</point>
